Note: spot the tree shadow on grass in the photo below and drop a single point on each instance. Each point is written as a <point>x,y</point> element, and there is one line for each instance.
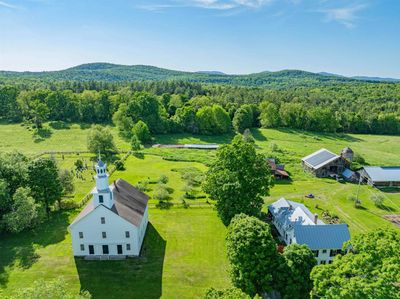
<point>321,135</point>
<point>60,125</point>
<point>41,134</point>
<point>177,138</point>
<point>139,277</point>
<point>20,249</point>
<point>258,135</point>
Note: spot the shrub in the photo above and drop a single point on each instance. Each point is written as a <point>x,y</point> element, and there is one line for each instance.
<point>119,165</point>
<point>142,186</point>
<point>377,199</point>
<point>163,179</point>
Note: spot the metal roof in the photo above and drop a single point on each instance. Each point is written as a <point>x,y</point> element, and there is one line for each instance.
<point>320,158</point>
<point>289,213</point>
<point>316,237</point>
<point>347,173</point>
<point>383,174</point>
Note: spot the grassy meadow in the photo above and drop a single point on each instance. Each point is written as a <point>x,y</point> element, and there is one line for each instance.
<point>183,255</point>
<point>184,249</point>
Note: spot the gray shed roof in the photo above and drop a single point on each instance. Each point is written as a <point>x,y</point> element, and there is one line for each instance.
<point>320,158</point>
<point>383,174</point>
<point>330,236</point>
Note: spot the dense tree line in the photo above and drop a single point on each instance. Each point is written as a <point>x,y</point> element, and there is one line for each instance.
<point>174,106</point>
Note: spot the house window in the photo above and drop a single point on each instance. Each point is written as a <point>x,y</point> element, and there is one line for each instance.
<point>323,250</point>
<point>82,247</point>
<point>323,262</point>
<point>316,252</point>
<point>103,220</point>
<point>128,246</point>
<point>100,198</point>
<point>127,235</point>
<point>330,262</point>
<point>105,249</point>
<point>80,235</point>
<point>104,234</point>
<point>333,252</point>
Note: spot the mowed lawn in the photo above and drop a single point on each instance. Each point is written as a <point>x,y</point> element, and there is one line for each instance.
<point>183,255</point>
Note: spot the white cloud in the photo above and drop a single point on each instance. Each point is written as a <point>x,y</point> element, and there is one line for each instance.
<point>5,4</point>
<point>344,15</point>
<point>208,4</point>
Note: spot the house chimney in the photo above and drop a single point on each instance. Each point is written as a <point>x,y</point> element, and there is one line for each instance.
<point>315,218</point>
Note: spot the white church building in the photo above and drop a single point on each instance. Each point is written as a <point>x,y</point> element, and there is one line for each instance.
<point>114,222</point>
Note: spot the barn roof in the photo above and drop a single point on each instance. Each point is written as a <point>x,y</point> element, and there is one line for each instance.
<point>320,158</point>
<point>383,174</point>
<point>316,237</point>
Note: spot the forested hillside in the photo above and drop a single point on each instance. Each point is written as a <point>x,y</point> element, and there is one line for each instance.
<point>117,73</point>
<point>292,99</point>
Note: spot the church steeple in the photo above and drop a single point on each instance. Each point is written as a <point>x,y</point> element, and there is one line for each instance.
<point>102,193</point>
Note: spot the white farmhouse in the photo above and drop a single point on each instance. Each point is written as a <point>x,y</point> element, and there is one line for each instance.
<point>114,221</point>
<point>297,225</point>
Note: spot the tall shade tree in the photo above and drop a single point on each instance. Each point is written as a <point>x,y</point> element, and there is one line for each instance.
<point>293,279</point>
<point>101,140</point>
<point>24,211</point>
<point>269,115</point>
<point>253,255</point>
<point>238,179</point>
<point>142,132</point>
<point>243,118</point>
<point>44,181</point>
<point>222,120</point>
<point>370,270</point>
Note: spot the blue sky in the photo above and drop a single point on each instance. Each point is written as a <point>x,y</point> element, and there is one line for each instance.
<point>349,37</point>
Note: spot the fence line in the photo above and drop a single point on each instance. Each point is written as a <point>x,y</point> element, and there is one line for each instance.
<point>85,199</point>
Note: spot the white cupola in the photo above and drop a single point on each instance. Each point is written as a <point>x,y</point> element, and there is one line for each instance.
<point>102,194</point>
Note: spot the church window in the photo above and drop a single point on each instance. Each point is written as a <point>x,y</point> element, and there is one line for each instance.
<point>128,246</point>
<point>82,247</point>
<point>101,199</point>
<point>127,235</point>
<point>103,220</point>
<point>80,235</point>
<point>104,234</point>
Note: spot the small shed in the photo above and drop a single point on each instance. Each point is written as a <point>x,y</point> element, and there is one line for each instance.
<point>381,176</point>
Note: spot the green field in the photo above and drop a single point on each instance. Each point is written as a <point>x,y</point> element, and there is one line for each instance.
<point>183,255</point>
<point>56,137</point>
<point>184,250</point>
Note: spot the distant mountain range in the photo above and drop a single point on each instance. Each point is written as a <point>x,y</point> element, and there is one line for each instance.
<point>363,78</point>
<point>115,72</point>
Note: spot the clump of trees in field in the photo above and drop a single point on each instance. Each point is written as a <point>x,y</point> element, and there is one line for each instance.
<point>28,188</point>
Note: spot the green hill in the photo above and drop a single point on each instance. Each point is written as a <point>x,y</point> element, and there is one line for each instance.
<point>114,73</point>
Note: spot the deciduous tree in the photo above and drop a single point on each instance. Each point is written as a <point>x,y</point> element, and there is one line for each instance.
<point>252,254</point>
<point>238,179</point>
